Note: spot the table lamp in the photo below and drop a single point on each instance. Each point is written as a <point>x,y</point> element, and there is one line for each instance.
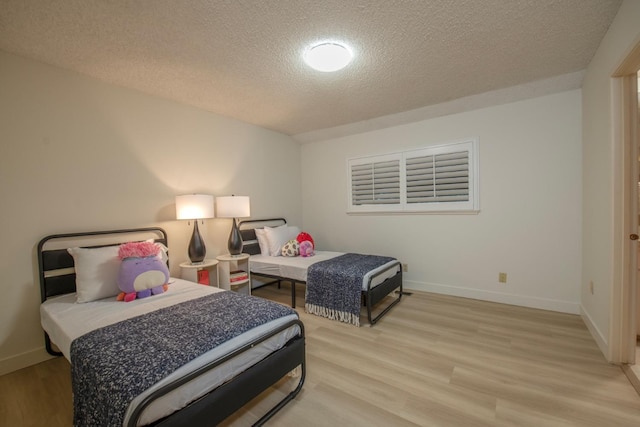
<point>233,207</point>
<point>195,207</point>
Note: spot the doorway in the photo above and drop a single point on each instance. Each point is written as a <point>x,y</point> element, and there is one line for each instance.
<point>629,293</point>
<point>633,370</point>
<point>636,369</point>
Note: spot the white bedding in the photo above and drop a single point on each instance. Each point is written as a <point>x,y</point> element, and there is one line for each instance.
<point>295,268</point>
<point>64,320</point>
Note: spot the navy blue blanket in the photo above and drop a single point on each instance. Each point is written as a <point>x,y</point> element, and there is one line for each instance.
<point>112,365</point>
<point>334,286</point>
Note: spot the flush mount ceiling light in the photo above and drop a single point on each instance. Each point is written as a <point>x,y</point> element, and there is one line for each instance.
<point>328,56</point>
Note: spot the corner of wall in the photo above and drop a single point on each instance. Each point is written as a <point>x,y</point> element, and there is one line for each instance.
<point>598,337</point>
<point>23,360</point>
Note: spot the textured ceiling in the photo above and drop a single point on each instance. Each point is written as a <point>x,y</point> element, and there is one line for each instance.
<point>242,58</point>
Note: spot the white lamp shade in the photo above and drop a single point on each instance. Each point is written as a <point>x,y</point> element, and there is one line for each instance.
<point>233,206</point>
<point>194,206</point>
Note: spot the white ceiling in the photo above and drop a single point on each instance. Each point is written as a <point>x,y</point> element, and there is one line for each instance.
<point>243,58</point>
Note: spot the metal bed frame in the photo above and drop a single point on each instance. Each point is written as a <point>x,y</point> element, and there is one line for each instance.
<point>370,296</point>
<point>57,278</point>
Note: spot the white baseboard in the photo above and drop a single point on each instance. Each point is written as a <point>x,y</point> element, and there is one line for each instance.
<point>600,339</point>
<point>484,295</point>
<point>23,360</point>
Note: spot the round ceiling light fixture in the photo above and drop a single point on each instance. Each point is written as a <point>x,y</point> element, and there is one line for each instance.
<point>328,56</point>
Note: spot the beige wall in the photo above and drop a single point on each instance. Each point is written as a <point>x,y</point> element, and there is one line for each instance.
<point>529,224</point>
<point>78,155</point>
<point>598,171</point>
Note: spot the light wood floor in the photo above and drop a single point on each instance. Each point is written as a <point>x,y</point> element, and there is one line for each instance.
<point>432,361</point>
<point>633,371</point>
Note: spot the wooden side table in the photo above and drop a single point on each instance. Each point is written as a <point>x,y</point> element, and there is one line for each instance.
<point>233,263</point>
<point>190,271</point>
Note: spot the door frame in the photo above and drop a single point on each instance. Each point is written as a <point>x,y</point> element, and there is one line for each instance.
<point>624,102</point>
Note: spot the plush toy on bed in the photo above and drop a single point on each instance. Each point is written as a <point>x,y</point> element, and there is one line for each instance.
<point>306,249</point>
<point>306,244</point>
<point>291,248</point>
<point>305,237</point>
<point>142,272</point>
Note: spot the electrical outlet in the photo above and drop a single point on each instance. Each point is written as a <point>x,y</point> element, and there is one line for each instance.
<point>405,268</point>
<point>502,277</point>
<point>591,287</point>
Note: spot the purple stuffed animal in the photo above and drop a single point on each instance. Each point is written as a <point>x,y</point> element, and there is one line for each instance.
<point>142,272</point>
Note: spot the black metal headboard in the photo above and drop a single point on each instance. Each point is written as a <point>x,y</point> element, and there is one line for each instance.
<point>249,240</point>
<point>55,265</point>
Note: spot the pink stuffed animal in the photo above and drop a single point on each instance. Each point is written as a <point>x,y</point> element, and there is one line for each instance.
<point>306,248</point>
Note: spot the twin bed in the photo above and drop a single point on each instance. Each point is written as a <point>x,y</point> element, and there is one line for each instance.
<point>195,354</point>
<point>190,356</point>
<point>379,278</point>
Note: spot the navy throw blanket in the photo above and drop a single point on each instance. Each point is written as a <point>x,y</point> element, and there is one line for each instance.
<point>334,286</point>
<point>113,364</point>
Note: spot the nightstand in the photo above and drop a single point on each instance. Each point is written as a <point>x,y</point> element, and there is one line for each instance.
<point>191,272</point>
<point>233,273</point>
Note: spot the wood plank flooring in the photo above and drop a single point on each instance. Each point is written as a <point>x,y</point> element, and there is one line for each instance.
<point>432,361</point>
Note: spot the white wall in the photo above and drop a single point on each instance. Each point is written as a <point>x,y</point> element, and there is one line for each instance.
<point>598,170</point>
<point>78,155</point>
<point>529,225</point>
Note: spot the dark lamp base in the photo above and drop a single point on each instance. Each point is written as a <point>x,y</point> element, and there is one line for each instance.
<point>235,240</point>
<point>197,250</point>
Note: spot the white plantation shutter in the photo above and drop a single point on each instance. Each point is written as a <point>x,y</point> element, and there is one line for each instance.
<point>376,183</point>
<point>438,178</point>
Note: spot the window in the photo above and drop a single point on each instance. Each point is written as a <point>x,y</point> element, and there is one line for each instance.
<point>375,181</point>
<point>432,179</point>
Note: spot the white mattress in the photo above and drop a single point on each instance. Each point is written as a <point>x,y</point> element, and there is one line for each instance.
<point>65,320</point>
<point>295,268</point>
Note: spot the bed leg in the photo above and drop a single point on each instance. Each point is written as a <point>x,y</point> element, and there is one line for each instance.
<point>372,321</point>
<point>286,399</point>
<point>293,294</point>
<point>49,347</point>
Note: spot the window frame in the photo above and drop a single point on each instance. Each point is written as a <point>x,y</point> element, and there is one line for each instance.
<point>472,205</point>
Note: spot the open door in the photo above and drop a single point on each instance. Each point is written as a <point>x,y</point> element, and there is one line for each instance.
<point>624,297</point>
<point>631,288</point>
<point>631,221</point>
<point>637,283</point>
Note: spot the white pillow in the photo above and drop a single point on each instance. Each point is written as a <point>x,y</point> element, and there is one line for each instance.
<point>277,237</point>
<point>262,241</point>
<point>96,272</point>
